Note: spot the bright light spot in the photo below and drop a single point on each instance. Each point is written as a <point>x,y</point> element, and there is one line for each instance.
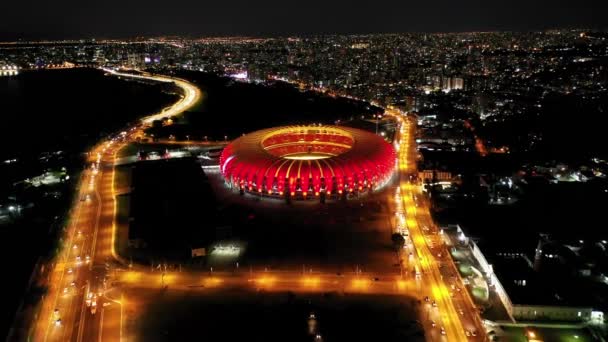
<point>311,281</point>
<point>360,284</point>
<point>229,250</point>
<point>265,281</point>
<point>132,276</point>
<point>213,281</point>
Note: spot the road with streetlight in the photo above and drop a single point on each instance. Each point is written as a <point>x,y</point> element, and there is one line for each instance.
<point>448,306</point>
<point>77,306</point>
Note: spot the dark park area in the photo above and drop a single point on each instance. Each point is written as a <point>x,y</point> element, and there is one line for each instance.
<point>237,315</point>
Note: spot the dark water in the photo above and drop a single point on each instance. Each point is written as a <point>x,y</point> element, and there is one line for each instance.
<point>59,109</point>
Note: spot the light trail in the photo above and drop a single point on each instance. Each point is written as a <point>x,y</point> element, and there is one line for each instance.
<point>192,95</point>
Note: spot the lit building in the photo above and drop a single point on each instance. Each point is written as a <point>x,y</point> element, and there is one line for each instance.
<point>9,70</point>
<point>307,161</point>
<point>452,83</point>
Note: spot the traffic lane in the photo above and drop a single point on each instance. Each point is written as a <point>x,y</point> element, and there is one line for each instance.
<point>79,262</point>
<point>77,288</point>
<point>91,330</point>
<point>465,308</point>
<point>70,281</point>
<point>450,321</point>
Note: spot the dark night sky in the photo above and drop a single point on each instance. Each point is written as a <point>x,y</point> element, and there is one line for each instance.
<point>126,18</point>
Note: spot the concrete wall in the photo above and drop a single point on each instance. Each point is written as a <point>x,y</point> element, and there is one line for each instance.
<point>492,278</point>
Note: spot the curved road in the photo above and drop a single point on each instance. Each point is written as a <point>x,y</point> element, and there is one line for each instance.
<point>83,263</point>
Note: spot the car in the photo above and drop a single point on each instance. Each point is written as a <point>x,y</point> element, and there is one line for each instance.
<point>460,311</point>
<point>73,283</point>
<point>58,322</point>
<point>468,333</point>
<point>56,313</point>
<point>65,290</point>
<point>70,270</point>
<point>433,324</point>
<point>426,298</point>
<point>473,332</point>
<point>442,331</point>
<point>434,304</point>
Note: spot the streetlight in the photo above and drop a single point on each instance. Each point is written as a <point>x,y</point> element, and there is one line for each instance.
<point>377,116</point>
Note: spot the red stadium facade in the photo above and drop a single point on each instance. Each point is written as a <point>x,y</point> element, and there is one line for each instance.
<point>307,161</point>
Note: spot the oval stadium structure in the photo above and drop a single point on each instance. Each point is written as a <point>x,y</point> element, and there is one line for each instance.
<point>307,161</point>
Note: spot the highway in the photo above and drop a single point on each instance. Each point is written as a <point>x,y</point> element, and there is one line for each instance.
<point>449,305</point>
<point>78,305</point>
<point>191,94</point>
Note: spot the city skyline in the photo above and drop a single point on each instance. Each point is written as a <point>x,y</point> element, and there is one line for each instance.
<point>112,19</point>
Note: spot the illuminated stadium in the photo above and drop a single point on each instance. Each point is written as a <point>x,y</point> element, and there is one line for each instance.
<point>307,161</point>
